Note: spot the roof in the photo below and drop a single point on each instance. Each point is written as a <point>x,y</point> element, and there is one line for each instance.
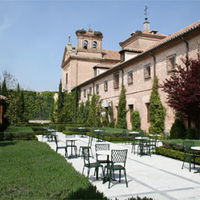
<point>164,41</point>
<point>176,34</point>
<point>111,54</point>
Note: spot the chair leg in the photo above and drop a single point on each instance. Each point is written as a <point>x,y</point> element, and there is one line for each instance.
<point>183,163</point>
<point>110,174</point>
<point>119,175</point>
<point>83,170</point>
<point>88,172</point>
<point>125,178</point>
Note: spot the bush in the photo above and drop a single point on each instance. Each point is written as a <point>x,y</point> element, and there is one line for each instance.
<point>190,134</point>
<point>135,120</point>
<point>173,154</point>
<point>177,130</point>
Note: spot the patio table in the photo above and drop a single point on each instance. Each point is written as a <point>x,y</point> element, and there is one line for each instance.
<point>98,131</point>
<point>72,146</point>
<point>82,130</point>
<point>141,145</point>
<point>106,153</point>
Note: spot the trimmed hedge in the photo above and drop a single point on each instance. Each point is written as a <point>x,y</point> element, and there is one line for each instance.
<point>173,154</point>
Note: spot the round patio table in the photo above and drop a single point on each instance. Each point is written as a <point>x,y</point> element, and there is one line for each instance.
<point>98,131</point>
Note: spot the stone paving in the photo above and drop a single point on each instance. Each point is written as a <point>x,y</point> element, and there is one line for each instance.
<point>154,176</point>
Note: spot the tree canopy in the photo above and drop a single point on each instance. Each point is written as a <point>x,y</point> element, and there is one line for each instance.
<point>183,90</point>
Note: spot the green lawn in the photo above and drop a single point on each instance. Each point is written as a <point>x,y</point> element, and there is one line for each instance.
<point>31,170</point>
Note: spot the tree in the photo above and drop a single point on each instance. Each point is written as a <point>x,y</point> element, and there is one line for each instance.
<point>111,115</point>
<point>121,111</point>
<point>183,91</point>
<point>135,120</point>
<point>156,111</point>
<point>60,103</point>
<point>94,116</point>
<point>4,90</point>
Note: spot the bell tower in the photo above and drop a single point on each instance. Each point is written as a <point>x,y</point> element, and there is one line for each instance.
<point>90,41</point>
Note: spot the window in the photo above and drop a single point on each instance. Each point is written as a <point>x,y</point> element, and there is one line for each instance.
<point>97,88</point>
<point>171,63</point>
<point>66,78</point>
<point>130,77</point>
<point>131,107</point>
<point>116,80</point>
<point>84,93</point>
<point>94,44</point>
<point>147,71</point>
<point>85,44</point>
<point>105,86</point>
<point>148,114</point>
<point>90,91</point>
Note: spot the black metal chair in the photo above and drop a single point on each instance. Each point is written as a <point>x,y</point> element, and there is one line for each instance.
<point>118,163</point>
<point>88,164</point>
<point>57,146</point>
<point>90,140</point>
<point>101,147</point>
<point>189,155</point>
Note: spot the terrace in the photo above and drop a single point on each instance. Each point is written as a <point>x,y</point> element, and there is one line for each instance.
<point>152,176</point>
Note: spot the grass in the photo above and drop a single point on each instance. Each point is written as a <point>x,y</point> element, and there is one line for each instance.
<point>31,170</point>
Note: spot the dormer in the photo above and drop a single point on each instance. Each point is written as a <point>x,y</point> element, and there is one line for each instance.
<point>89,40</point>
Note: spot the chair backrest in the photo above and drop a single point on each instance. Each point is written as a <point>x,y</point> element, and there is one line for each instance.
<point>86,155</point>
<point>102,147</point>
<point>90,141</point>
<point>187,145</point>
<point>119,156</point>
<point>56,139</point>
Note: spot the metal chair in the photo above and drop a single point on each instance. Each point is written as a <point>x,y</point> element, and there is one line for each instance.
<point>101,147</point>
<point>189,155</point>
<point>118,163</point>
<point>88,164</point>
<point>57,146</point>
<point>90,140</point>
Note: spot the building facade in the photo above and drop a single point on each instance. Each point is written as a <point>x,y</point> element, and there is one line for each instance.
<point>143,56</point>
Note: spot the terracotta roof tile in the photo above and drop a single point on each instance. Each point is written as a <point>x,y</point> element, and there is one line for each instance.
<point>111,54</point>
<point>176,34</point>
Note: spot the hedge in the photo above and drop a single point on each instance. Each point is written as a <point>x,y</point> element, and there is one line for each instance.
<point>173,154</point>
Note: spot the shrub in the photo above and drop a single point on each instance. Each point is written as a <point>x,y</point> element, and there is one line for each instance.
<point>135,120</point>
<point>190,134</point>
<point>173,154</point>
<point>177,129</point>
<point>156,111</point>
<point>121,111</point>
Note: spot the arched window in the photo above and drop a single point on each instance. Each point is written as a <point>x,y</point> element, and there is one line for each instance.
<point>94,44</point>
<point>85,44</point>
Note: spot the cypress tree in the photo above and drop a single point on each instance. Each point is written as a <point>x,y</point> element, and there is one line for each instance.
<point>135,120</point>
<point>94,116</point>
<point>121,111</point>
<point>156,111</point>
<point>4,90</point>
<point>60,103</point>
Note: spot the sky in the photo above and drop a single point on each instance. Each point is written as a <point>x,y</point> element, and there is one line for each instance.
<point>33,33</point>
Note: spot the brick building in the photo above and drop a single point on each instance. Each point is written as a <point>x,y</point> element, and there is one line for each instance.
<point>144,55</point>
